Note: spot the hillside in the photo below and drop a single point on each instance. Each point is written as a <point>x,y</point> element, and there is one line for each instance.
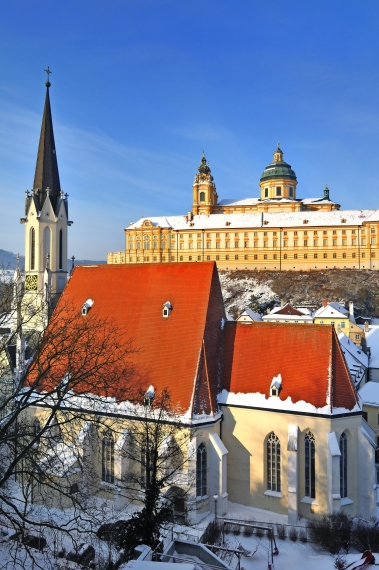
<point>260,290</point>
<point>8,260</point>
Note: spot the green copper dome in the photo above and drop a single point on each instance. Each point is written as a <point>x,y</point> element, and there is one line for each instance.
<point>278,168</point>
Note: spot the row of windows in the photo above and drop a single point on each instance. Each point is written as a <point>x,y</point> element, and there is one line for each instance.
<point>273,466</point>
<point>265,257</point>
<point>278,191</point>
<point>237,244</point>
<point>246,234</point>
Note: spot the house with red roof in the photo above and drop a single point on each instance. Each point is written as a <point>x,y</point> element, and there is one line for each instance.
<point>276,417</point>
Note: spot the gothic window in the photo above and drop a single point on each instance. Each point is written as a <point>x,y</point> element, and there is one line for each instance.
<point>202,196</point>
<point>46,242</point>
<point>60,249</point>
<point>32,248</point>
<point>310,468</point>
<point>343,466</point>
<point>107,459</point>
<point>273,463</point>
<point>201,471</point>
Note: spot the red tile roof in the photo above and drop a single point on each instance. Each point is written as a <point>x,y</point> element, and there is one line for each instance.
<point>178,352</point>
<point>308,357</point>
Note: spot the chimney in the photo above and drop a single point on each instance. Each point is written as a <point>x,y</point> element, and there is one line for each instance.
<point>366,326</point>
<point>291,301</point>
<point>282,303</point>
<point>325,302</point>
<point>268,310</point>
<point>351,308</point>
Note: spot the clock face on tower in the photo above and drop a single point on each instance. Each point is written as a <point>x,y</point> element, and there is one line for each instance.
<point>31,282</point>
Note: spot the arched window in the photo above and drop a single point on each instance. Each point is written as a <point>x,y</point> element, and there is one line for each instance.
<point>60,249</point>
<point>273,462</point>
<point>32,248</point>
<point>202,196</point>
<point>107,459</point>
<point>201,471</point>
<point>310,469</point>
<point>343,465</point>
<point>46,243</point>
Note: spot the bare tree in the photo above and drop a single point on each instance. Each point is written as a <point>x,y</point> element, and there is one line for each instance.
<point>52,386</point>
<point>158,473</point>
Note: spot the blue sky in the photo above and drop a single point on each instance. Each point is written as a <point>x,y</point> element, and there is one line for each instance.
<point>140,88</point>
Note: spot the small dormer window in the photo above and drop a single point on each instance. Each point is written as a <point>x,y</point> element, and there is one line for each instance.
<point>87,306</point>
<point>166,309</point>
<point>276,385</point>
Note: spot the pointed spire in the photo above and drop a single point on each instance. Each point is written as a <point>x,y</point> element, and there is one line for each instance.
<point>46,174</point>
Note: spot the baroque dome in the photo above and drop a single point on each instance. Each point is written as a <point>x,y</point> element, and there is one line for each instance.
<point>278,168</point>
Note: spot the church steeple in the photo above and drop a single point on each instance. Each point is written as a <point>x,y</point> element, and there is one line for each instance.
<point>46,219</point>
<point>47,174</point>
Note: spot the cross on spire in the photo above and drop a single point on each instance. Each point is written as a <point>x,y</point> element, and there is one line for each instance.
<point>47,70</point>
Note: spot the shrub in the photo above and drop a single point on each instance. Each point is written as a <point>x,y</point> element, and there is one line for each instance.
<point>212,534</point>
<point>365,536</point>
<point>303,537</point>
<point>293,534</point>
<point>236,529</point>
<point>340,562</point>
<point>332,532</point>
<point>248,531</point>
<point>281,531</point>
<point>259,532</point>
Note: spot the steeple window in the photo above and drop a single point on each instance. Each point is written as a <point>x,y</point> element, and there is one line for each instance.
<point>278,190</point>
<point>202,196</point>
<point>32,248</point>
<point>290,191</point>
<point>60,249</point>
<point>266,192</point>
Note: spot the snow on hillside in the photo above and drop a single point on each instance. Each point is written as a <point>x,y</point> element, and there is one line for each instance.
<point>246,292</point>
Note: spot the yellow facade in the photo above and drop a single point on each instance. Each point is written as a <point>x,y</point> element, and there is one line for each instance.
<point>277,231</point>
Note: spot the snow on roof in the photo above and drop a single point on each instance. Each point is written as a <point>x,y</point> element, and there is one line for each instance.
<point>370,393</point>
<point>276,381</point>
<point>258,400</point>
<point>372,341</point>
<point>353,349</point>
<point>304,310</point>
<point>249,313</point>
<point>280,317</point>
<point>331,311</point>
<point>264,219</point>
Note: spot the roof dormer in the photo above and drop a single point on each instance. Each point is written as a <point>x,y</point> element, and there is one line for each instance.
<point>276,385</point>
<point>87,306</point>
<point>166,309</point>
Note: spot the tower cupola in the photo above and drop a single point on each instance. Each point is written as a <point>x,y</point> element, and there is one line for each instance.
<point>204,189</point>
<point>278,180</point>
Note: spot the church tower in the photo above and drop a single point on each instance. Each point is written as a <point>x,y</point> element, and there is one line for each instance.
<point>204,190</point>
<point>46,218</point>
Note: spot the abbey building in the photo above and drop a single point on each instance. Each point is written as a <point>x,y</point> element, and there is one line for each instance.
<point>276,231</point>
